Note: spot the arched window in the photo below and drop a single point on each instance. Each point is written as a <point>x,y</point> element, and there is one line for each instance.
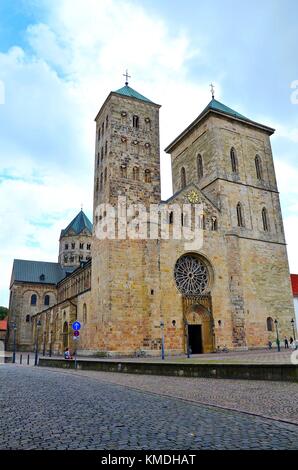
<point>213,224</point>
<point>27,318</point>
<point>135,172</point>
<point>33,299</point>
<point>106,174</point>
<point>97,184</point>
<point>123,170</point>
<point>234,161</point>
<point>47,300</point>
<point>106,147</point>
<point>98,135</point>
<point>269,324</point>
<point>65,335</point>
<point>183,177</point>
<point>84,313</point>
<point>259,169</point>
<point>107,121</point>
<point>171,217</point>
<point>184,220</point>
<point>265,219</point>
<point>135,121</point>
<point>240,219</point>
<point>147,176</point>
<point>200,167</point>
<point>202,222</point>
<point>101,181</point>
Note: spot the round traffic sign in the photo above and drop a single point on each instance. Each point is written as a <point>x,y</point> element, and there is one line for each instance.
<point>76,333</point>
<point>76,325</point>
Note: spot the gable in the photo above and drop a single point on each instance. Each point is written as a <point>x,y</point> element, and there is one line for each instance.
<point>183,196</point>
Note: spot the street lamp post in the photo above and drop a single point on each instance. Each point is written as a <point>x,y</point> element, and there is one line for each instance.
<point>293,326</point>
<point>162,325</point>
<point>187,340</point>
<point>44,344</point>
<point>38,325</point>
<point>277,335</point>
<point>50,352</point>
<point>14,326</point>
<point>213,336</point>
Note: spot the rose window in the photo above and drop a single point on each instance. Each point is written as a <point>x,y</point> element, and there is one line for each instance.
<point>191,275</point>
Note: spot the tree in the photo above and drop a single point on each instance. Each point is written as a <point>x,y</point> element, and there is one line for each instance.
<point>3,312</point>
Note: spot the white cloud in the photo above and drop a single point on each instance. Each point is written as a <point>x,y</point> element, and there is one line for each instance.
<point>285,132</point>
<point>34,212</point>
<point>291,230</point>
<point>78,54</point>
<point>287,177</point>
<point>79,51</point>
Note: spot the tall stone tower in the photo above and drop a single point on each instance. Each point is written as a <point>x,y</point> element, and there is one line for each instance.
<point>127,165</point>
<point>229,158</point>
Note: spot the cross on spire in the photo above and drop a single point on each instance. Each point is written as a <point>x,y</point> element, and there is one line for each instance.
<point>212,90</point>
<point>127,77</point>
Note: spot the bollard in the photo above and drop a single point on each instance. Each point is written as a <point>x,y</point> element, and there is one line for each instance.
<point>21,358</point>
<point>28,360</point>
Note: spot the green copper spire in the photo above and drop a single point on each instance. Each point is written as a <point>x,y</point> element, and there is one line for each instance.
<point>128,91</point>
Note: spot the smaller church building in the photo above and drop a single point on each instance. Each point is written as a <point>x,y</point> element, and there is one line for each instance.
<point>38,286</point>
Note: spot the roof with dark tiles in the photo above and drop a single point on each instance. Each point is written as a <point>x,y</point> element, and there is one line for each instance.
<point>37,272</point>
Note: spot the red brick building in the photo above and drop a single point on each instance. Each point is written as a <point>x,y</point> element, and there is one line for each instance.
<point>3,329</point>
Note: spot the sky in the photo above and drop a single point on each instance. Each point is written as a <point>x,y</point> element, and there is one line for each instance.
<point>59,59</point>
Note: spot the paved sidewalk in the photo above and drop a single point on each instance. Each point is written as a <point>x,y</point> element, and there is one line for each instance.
<point>275,400</point>
<point>261,356</point>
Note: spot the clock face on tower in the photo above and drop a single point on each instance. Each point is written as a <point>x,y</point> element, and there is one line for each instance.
<point>193,197</point>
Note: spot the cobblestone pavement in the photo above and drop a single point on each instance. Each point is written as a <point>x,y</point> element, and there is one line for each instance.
<point>275,400</point>
<point>42,409</point>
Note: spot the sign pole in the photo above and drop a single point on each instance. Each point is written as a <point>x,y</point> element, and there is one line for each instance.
<point>76,326</point>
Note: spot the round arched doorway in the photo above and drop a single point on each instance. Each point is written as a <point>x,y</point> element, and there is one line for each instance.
<point>194,277</point>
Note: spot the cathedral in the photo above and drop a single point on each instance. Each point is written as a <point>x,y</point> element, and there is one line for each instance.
<point>136,294</point>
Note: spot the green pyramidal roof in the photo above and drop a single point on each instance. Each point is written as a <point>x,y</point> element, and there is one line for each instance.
<point>127,91</point>
<point>217,106</point>
<point>78,224</point>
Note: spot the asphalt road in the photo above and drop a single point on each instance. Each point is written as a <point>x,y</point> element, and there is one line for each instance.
<point>45,409</point>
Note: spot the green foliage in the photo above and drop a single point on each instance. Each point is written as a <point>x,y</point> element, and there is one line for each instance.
<point>3,312</point>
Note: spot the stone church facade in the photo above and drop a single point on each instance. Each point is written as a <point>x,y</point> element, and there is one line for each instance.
<point>38,286</point>
<point>227,290</point>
